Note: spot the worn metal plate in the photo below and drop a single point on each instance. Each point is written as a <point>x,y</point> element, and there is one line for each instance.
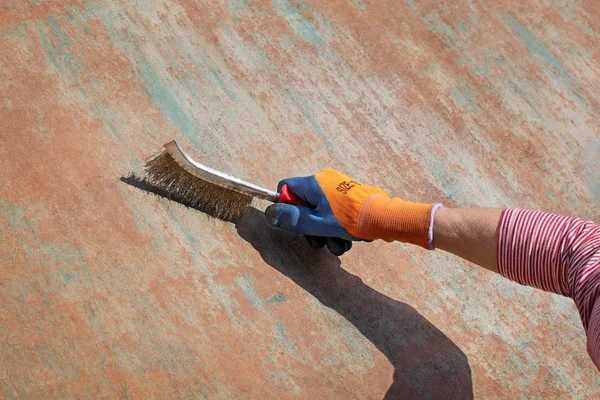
<point>106,291</point>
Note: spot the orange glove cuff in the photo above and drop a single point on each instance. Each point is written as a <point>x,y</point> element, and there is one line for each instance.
<point>395,219</point>
<point>367,212</point>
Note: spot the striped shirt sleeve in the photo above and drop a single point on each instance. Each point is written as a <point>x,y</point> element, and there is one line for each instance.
<point>557,254</point>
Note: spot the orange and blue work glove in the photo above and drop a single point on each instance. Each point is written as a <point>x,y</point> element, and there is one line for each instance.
<point>344,209</point>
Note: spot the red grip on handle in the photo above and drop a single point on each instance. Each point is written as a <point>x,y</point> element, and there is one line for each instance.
<point>285,196</point>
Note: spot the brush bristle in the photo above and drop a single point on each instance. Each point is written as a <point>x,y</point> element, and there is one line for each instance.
<point>164,172</point>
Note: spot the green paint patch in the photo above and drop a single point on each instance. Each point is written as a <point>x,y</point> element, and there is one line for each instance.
<point>246,284</point>
<point>237,8</point>
<point>15,216</point>
<point>483,70</point>
<point>433,70</point>
<point>104,116</point>
<point>59,50</point>
<point>279,332</point>
<point>550,62</point>
<point>217,77</point>
<point>310,114</point>
<point>462,26</point>
<point>65,259</point>
<point>516,88</point>
<point>307,110</point>
<point>298,23</point>
<point>360,4</point>
<point>165,100</point>
<point>188,235</point>
<point>536,46</point>
<point>465,97</point>
<point>436,25</point>
<point>591,172</point>
<point>280,297</point>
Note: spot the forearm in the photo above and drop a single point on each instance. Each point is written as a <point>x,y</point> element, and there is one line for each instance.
<point>468,233</point>
<point>537,249</point>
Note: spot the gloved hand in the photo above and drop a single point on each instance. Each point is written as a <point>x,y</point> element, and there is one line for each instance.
<point>343,208</point>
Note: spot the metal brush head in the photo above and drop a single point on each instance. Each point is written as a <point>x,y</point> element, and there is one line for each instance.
<point>217,177</point>
<point>165,173</point>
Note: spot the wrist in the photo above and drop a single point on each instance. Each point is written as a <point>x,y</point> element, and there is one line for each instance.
<point>396,220</point>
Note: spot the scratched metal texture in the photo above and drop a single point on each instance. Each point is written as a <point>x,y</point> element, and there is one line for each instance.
<point>107,291</point>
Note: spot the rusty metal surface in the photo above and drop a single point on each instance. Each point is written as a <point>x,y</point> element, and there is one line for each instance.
<point>106,291</point>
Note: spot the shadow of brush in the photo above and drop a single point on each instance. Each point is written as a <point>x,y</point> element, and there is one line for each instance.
<point>427,364</point>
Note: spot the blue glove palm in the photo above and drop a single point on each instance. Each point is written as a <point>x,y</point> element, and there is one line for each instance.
<point>318,223</point>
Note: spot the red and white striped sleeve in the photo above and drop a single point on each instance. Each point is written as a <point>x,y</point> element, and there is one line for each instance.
<point>557,254</point>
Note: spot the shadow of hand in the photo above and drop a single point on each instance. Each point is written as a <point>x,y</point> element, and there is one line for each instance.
<point>427,364</point>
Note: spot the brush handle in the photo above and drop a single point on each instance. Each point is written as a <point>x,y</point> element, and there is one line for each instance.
<point>286,196</point>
